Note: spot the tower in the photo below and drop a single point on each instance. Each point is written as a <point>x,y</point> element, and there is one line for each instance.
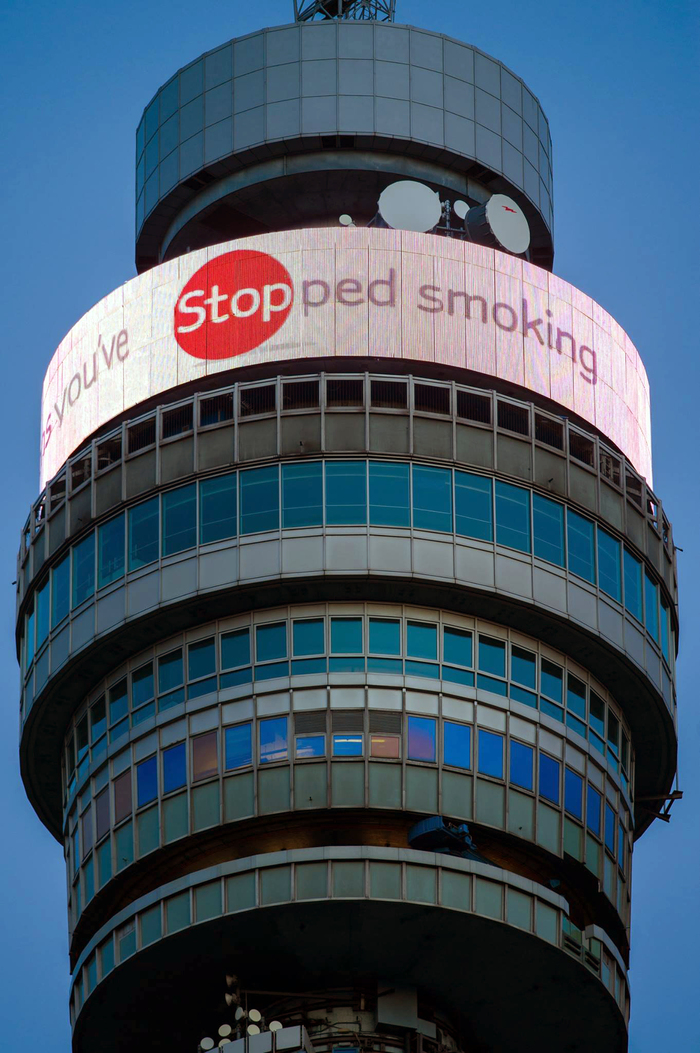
<point>346,540</point>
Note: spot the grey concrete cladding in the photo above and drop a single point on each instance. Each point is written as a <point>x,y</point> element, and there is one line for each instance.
<point>343,79</point>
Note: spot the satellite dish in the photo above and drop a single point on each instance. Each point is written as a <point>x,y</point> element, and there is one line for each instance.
<point>345,220</point>
<point>240,1013</point>
<point>500,223</point>
<point>407,205</point>
<point>207,1043</point>
<point>225,1030</point>
<point>255,1015</point>
<point>275,1025</point>
<point>460,208</point>
<point>253,1029</point>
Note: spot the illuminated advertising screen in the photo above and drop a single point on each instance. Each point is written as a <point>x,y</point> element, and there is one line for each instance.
<point>346,292</point>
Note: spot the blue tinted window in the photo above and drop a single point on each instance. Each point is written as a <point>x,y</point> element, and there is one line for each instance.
<point>523,667</point>
<point>271,642</point>
<point>551,680</point>
<point>521,757</point>
<point>147,781</point>
<point>389,500</point>
<point>118,701</point>
<point>174,767</point>
<point>238,743</point>
<point>549,778</point>
<point>548,529</point>
<point>170,672</point>
<point>201,659</point>
<point>576,696</point>
<point>29,640</point>
<point>384,636</point>
<point>273,739</point>
<point>347,745</point>
<point>83,569</point>
<point>432,499</point>
<point>651,607</point>
<point>457,647</point>
<point>492,656</point>
<point>218,504</point>
<point>235,649</point>
<point>421,640</point>
<point>302,495</point>
<point>60,590</point>
<point>610,821</point>
<point>179,519</point>
<point>573,793</point>
<point>142,689</point>
<point>621,845</point>
<point>665,628</point>
<point>346,493</point>
<point>609,563</point>
<point>110,551</point>
<point>593,801</point>
<point>346,635</point>
<point>421,739</point>
<point>513,516</point>
<point>308,636</point>
<point>457,744</point>
<point>143,534</point>
<point>311,746</point>
<point>473,506</point>
<point>579,535</point>
<point>42,613</point>
<point>633,585</point>
<point>490,753</point>
<point>260,500</point>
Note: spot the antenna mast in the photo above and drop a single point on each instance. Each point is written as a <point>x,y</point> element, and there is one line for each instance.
<point>357,10</point>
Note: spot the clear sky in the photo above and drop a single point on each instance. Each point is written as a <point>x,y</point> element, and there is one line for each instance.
<point>619,84</point>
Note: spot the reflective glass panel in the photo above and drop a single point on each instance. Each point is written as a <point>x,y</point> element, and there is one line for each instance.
<point>573,793</point>
<point>421,738</point>
<point>421,640</point>
<point>457,647</point>
<point>122,796</point>
<point>384,636</point>
<point>389,499</point>
<point>521,766</point>
<point>273,739</point>
<point>580,546</point>
<point>146,781</point>
<point>260,500</point>
<point>205,761</point>
<point>549,778</point>
<point>551,680</point>
<point>665,625</point>
<point>218,504</point>
<point>170,671</point>
<point>179,519</point>
<point>346,635</point>
<point>346,493</point>
<point>523,667</point>
<point>432,498</point>
<point>60,590</point>
<point>308,636</point>
<point>597,715</point>
<point>174,767</point>
<point>651,607</point>
<point>513,516</point>
<point>576,696</point>
<point>111,551</point>
<point>201,659</point>
<point>385,746</point>
<point>142,686</point>
<point>610,822</point>
<point>302,495</point>
<point>593,801</point>
<point>633,585</point>
<point>235,649</point>
<point>271,642</point>
<point>490,753</point>
<point>548,529</point>
<point>473,506</point>
<point>143,534</point>
<point>239,746</point>
<point>492,656</point>
<point>42,613</point>
<point>118,701</point>
<point>347,745</point>
<point>83,569</point>
<point>609,565</point>
<point>310,746</point>
<point>457,744</point>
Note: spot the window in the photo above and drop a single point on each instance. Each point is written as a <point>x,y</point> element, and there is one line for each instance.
<point>579,535</point>
<point>179,519</point>
<point>170,671</point>
<point>593,802</point>
<point>238,742</point>
<point>523,667</point>
<point>310,746</point>
<point>142,686</point>
<point>60,591</point>
<point>143,534</point>
<point>576,704</point>
<point>235,649</point>
<point>384,636</point>
<point>512,517</point>
<point>521,758</point>
<point>110,551</point>
<point>573,793</point>
<point>389,499</point>
<point>457,647</point>
<point>102,820</point>
<point>42,613</point>
<point>347,745</point>
<point>98,720</point>
<point>346,635</point>
<point>492,656</point>
<point>421,640</point>
<point>205,761</point>
<point>548,529</point>
<point>457,740</point>
<point>174,767</point>
<point>216,409</point>
<point>610,824</point>
<point>118,709</point>
<point>122,796</point>
<point>490,754</point>
<point>83,570</point>
<point>146,781</point>
<point>421,739</point>
<point>549,778</point>
<point>201,659</point>
<point>308,637</point>
<point>633,585</point>
<point>346,493</point>
<point>302,495</point>
<point>665,629</point>
<point>271,642</point>
<point>473,506</point>
<point>260,500</point>
<point>387,746</point>
<point>86,825</point>
<point>596,720</point>
<point>651,608</point>
<point>29,639</point>
<point>432,499</point>
<point>273,739</point>
<point>609,565</point>
<point>217,508</point>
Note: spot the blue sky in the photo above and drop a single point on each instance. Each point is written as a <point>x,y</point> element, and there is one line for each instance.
<point>619,84</point>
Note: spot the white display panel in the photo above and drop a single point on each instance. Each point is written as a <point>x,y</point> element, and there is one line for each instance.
<point>354,292</point>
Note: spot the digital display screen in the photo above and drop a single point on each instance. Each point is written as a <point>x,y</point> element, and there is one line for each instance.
<point>351,292</point>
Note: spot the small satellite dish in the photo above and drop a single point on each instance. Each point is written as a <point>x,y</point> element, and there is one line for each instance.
<point>407,205</point>
<point>240,1013</point>
<point>500,223</point>
<point>207,1043</point>
<point>345,220</point>
<point>255,1015</point>
<point>460,208</point>
<point>253,1029</point>
<point>225,1030</point>
<point>275,1025</point>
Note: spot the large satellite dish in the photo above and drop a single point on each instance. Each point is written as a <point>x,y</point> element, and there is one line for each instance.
<point>500,223</point>
<point>407,205</point>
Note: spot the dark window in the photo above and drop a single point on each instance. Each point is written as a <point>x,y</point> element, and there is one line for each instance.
<point>239,746</point>
<point>57,493</point>
<point>548,529</point>
<point>384,636</point>
<point>300,394</point>
<point>344,392</point>
<point>513,516</point>
<point>582,449</point>
<point>177,421</point>
<point>170,671</point>
<point>421,641</point>
<point>257,400</point>
<point>474,407</point>
<point>102,814</point>
<point>302,494</point>
<point>389,500</point>
<point>109,452</point>
<point>271,642</point>
<point>610,823</point>
<point>549,432</point>
<point>174,767</point>
<point>457,647</point>
<point>141,435</point>
<point>609,564</point>
<point>473,506</point>
<point>593,802</point>
<point>492,656</point>
<point>633,585</point>
<point>432,499</point>
<point>235,649</point>
<point>513,418</point>
<point>389,394</point>
<point>142,686</point>
<point>84,569</point>
<point>122,796</point>
<point>201,659</point>
<point>609,467</point>
<point>457,744</point>
<point>579,536</point>
<point>308,637</point>
<point>430,399</point>
<point>573,793</point>
<point>346,635</point>
<point>179,519</point>
<point>217,508</point>
<point>80,471</point>
<point>60,590</point>
<point>111,551</point>
<point>143,534</point>
<point>216,410</point>
<point>549,778</point>
<point>490,753</point>
<point>205,760</point>
<point>260,500</point>
<point>146,781</point>
<point>346,493</point>
<point>521,757</point>
<point>551,680</point>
